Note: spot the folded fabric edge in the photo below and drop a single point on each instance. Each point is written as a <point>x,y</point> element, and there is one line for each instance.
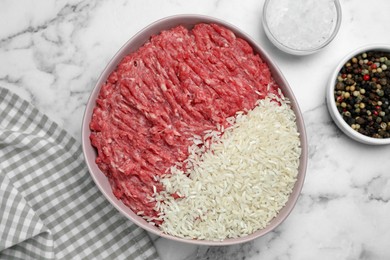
<point>18,221</point>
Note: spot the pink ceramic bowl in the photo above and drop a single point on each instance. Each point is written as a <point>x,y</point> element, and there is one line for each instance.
<point>132,45</point>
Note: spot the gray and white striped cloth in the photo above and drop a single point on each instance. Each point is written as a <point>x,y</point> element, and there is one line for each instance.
<point>50,207</point>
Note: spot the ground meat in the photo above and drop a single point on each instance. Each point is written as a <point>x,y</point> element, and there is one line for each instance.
<point>178,84</point>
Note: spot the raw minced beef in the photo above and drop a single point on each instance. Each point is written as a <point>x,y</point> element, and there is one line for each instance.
<point>177,85</point>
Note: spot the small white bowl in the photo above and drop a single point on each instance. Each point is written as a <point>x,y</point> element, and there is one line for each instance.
<point>294,20</point>
<point>331,103</point>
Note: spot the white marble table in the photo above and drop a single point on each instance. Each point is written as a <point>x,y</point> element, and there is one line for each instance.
<point>51,53</point>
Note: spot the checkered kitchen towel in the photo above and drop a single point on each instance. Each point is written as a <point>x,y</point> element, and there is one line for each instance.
<point>49,206</point>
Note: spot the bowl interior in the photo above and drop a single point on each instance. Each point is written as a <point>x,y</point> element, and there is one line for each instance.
<point>132,45</point>
<point>282,46</point>
<point>331,103</point>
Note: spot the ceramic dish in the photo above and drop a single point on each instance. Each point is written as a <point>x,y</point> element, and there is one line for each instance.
<point>331,103</point>
<point>292,25</point>
<point>132,45</point>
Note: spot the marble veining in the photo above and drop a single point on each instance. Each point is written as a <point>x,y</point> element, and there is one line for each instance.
<point>52,52</point>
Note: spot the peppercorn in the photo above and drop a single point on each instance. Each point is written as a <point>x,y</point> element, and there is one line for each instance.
<point>349,80</point>
<point>340,86</point>
<point>383,81</point>
<point>360,120</point>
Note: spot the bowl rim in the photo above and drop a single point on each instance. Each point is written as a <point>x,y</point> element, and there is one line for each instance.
<point>158,26</point>
<point>331,103</point>
<point>294,51</point>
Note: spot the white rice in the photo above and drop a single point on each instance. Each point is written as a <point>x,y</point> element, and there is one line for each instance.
<point>239,178</point>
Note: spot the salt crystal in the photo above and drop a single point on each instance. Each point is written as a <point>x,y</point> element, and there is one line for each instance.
<point>301,24</point>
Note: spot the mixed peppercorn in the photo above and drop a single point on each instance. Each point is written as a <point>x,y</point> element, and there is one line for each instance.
<point>362,93</point>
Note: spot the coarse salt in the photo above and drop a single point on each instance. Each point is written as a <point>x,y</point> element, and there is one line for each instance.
<point>301,24</point>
